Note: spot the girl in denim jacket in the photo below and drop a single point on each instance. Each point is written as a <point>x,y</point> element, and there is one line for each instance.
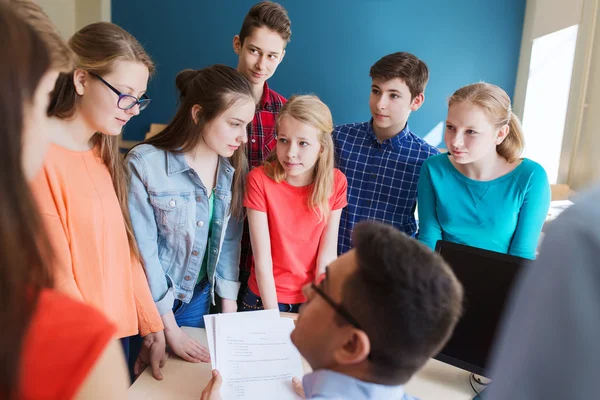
<point>186,202</point>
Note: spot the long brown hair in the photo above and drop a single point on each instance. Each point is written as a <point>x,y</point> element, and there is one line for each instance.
<point>310,110</point>
<point>99,47</point>
<point>214,89</point>
<point>496,104</point>
<point>24,249</point>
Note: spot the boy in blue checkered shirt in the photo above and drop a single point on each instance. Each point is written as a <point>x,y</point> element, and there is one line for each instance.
<point>382,158</point>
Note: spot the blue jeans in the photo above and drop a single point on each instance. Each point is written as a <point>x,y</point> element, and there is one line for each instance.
<point>252,302</point>
<point>192,313</point>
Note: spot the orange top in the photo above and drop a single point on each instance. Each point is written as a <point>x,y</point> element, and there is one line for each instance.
<point>93,262</point>
<point>294,229</point>
<point>63,343</point>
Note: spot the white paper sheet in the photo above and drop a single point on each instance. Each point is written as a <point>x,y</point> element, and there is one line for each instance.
<point>210,325</point>
<point>257,359</point>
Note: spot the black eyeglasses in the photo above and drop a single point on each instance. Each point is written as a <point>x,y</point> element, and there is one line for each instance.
<point>126,101</point>
<point>340,309</point>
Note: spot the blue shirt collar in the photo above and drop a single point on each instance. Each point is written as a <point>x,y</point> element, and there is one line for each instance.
<point>328,384</point>
<point>177,164</point>
<point>394,141</point>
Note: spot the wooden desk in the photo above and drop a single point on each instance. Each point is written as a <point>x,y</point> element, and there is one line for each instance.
<point>184,380</point>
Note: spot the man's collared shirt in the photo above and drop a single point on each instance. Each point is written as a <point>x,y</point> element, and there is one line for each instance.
<point>330,385</point>
<point>382,177</point>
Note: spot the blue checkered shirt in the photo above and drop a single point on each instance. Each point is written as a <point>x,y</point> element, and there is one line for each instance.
<point>382,177</point>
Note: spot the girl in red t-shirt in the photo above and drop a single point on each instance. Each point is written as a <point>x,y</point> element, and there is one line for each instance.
<point>294,205</point>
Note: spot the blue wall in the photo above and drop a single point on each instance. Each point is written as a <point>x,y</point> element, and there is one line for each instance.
<point>334,43</point>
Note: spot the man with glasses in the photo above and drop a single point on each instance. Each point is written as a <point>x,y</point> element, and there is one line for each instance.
<point>374,318</point>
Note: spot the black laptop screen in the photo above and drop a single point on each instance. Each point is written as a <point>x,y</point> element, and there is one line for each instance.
<point>487,278</point>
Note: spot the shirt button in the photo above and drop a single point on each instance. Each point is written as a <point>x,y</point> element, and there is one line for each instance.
<point>253,140</point>
<point>188,278</point>
<point>214,251</point>
<point>194,253</point>
<point>200,224</point>
<point>198,199</point>
<point>172,203</point>
<point>181,296</point>
<point>218,222</point>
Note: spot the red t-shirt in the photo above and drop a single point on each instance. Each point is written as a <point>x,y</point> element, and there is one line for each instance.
<point>294,229</point>
<point>64,341</point>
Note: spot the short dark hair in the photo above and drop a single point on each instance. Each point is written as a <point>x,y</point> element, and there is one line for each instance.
<point>405,66</point>
<point>405,297</point>
<point>270,15</point>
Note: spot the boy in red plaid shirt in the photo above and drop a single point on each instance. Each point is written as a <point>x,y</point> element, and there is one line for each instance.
<point>260,46</point>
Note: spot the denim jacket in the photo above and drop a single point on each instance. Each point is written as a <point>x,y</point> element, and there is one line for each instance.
<point>169,212</point>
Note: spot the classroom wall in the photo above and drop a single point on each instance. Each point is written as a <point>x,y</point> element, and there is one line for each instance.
<point>71,15</point>
<point>334,43</point>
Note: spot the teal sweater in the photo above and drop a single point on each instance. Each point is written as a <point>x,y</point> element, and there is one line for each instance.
<point>505,215</point>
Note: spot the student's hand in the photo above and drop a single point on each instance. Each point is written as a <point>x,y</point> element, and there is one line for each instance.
<point>185,347</point>
<point>298,388</point>
<point>228,306</point>
<point>153,353</point>
<point>212,391</point>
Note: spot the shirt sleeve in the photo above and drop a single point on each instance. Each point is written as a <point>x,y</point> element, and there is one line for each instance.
<point>54,217</point>
<point>146,235</point>
<point>548,345</point>
<point>228,268</point>
<point>430,230</point>
<point>149,319</point>
<point>255,190</point>
<point>340,190</point>
<point>532,215</point>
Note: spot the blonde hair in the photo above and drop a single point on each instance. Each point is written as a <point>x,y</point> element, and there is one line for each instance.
<point>310,110</point>
<point>62,58</point>
<point>99,47</point>
<point>496,104</point>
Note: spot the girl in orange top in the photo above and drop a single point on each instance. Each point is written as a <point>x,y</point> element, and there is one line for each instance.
<point>82,190</point>
<point>294,205</point>
<point>51,346</point>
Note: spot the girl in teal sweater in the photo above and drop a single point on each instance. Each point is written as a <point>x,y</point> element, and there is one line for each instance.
<point>481,193</point>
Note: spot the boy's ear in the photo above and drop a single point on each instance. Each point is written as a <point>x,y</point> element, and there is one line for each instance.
<point>282,55</point>
<point>417,102</point>
<point>237,44</point>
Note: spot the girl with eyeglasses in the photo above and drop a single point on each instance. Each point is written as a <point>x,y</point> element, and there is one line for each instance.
<point>82,188</point>
<point>51,346</point>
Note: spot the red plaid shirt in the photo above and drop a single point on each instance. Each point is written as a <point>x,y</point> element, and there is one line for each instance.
<point>261,140</point>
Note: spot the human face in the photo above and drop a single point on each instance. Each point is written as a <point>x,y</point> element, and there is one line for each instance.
<point>259,55</point>
<point>98,105</point>
<point>226,133</point>
<point>37,124</point>
<point>317,334</point>
<point>391,104</point>
<point>298,150</point>
<point>470,136</point>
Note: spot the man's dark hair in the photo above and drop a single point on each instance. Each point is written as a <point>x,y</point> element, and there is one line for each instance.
<point>405,297</point>
<point>405,66</point>
<point>270,15</point>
